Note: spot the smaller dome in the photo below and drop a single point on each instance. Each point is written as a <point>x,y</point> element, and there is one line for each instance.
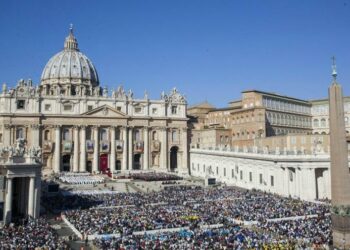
<point>70,66</point>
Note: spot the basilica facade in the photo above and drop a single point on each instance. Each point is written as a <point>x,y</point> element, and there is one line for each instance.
<point>81,126</point>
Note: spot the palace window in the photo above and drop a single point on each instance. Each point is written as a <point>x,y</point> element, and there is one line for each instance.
<point>47,107</point>
<point>217,170</point>
<point>261,178</point>
<point>119,108</point>
<point>90,107</point>
<point>67,107</point>
<point>225,172</point>
<point>250,176</point>
<point>20,104</point>
<point>154,111</point>
<point>241,175</point>
<point>137,135</point>
<point>174,110</point>
<point>272,181</point>
<point>138,110</point>
<point>232,173</point>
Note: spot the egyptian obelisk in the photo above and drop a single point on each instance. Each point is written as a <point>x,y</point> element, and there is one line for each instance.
<point>340,177</point>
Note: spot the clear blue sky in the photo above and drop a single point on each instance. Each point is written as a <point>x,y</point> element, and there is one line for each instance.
<point>208,49</point>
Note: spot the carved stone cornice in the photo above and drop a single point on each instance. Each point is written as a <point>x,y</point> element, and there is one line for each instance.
<point>56,126</point>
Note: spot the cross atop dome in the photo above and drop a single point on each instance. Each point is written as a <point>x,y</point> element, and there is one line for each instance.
<point>71,42</point>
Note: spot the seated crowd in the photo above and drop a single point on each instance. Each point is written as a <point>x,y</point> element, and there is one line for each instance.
<point>33,234</point>
<point>80,178</point>
<point>152,176</point>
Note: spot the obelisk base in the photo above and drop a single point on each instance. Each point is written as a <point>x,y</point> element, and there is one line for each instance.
<point>341,231</point>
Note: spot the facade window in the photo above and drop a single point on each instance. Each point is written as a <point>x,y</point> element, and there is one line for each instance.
<point>198,167</point>
<point>66,134</point>
<point>67,107</point>
<point>47,135</point>
<point>290,176</point>
<point>90,107</point>
<point>316,124</point>
<point>225,172</point>
<point>119,108</point>
<point>272,181</point>
<point>241,175</point>
<point>154,111</point>
<point>154,135</point>
<point>0,137</point>
<point>174,136</point>
<point>174,110</point>
<point>323,123</point>
<point>104,134</point>
<point>137,135</point>
<point>138,110</point>
<point>250,176</point>
<point>19,133</point>
<point>217,170</point>
<point>236,169</point>
<point>20,104</point>
<point>88,133</point>
<point>203,168</point>
<point>232,173</point>
<point>261,178</point>
<point>47,107</point>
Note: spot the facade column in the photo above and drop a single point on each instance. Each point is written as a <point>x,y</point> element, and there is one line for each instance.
<point>130,148</point>
<point>8,204</point>
<point>184,167</point>
<point>164,149</point>
<point>37,196</point>
<point>57,163</point>
<point>76,149</point>
<point>125,148</point>
<point>31,196</point>
<point>7,135</point>
<point>96,150</point>
<point>112,155</point>
<point>35,130</point>
<point>82,166</point>
<point>146,148</point>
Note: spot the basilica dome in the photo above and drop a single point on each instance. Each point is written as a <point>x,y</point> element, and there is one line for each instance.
<point>70,66</point>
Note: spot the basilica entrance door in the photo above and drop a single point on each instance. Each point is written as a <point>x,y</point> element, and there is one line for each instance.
<point>104,163</point>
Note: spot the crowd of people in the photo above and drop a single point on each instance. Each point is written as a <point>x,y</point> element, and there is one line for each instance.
<point>151,176</point>
<point>32,234</point>
<point>194,208</point>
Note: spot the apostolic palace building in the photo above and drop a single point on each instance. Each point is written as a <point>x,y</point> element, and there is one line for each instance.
<point>82,126</point>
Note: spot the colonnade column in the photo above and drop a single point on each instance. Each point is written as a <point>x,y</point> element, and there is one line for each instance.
<point>184,151</point>
<point>31,196</point>
<point>96,150</point>
<point>37,196</point>
<point>164,149</point>
<point>82,167</point>
<point>130,150</point>
<point>8,204</point>
<point>125,148</point>
<point>57,162</point>
<point>112,155</point>
<point>76,149</point>
<point>146,148</point>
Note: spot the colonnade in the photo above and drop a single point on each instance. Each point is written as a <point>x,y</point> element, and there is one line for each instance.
<point>79,163</point>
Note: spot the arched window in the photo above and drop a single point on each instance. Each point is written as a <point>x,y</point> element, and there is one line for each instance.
<point>66,134</point>
<point>103,134</point>
<point>323,122</point>
<point>316,123</point>
<point>47,135</point>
